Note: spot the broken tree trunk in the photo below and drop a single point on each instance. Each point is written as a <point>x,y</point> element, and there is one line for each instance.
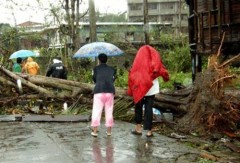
<point>44,87</point>
<point>25,82</point>
<point>210,108</point>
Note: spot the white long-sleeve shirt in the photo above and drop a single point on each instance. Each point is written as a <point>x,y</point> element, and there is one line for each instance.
<point>154,89</point>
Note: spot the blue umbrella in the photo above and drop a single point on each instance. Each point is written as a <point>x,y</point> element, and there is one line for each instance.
<point>95,48</point>
<point>22,54</point>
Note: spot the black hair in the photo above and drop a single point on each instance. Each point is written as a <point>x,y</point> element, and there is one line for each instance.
<point>102,58</point>
<point>19,60</point>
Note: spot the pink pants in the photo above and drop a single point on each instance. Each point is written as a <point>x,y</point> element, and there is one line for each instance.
<point>100,101</point>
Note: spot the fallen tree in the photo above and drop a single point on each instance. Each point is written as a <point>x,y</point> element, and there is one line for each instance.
<point>48,89</point>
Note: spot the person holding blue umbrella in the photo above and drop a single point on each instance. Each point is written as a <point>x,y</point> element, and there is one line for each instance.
<point>104,90</point>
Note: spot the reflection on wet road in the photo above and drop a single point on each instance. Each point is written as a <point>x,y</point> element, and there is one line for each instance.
<point>103,152</point>
<point>72,143</point>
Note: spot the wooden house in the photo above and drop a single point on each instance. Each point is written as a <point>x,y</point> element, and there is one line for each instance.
<point>208,20</point>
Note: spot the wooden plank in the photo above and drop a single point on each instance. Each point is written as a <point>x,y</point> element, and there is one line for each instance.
<point>219,18</point>
<point>10,118</point>
<point>56,118</point>
<point>210,29</point>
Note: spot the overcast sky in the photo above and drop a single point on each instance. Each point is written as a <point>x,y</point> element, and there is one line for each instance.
<point>30,10</point>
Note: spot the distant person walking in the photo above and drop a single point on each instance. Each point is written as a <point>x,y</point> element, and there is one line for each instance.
<point>17,65</point>
<point>104,90</point>
<point>31,67</point>
<point>57,70</point>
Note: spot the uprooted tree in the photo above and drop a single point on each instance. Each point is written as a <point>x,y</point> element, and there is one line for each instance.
<point>211,107</point>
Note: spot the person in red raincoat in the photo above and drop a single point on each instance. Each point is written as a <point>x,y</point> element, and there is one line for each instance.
<point>143,84</point>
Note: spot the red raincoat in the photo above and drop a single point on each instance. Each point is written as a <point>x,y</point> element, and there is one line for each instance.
<point>146,67</point>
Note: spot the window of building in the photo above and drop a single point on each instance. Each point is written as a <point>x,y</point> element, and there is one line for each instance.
<point>153,18</point>
<point>134,7</point>
<point>136,18</point>
<point>167,5</point>
<point>152,6</point>
<point>184,6</point>
<point>167,18</point>
<point>184,17</point>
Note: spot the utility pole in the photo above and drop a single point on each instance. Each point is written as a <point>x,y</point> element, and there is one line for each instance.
<point>145,20</point>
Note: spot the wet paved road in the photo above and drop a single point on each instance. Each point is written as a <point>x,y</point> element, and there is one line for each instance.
<point>28,142</point>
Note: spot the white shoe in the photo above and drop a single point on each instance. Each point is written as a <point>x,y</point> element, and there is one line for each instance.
<point>108,134</point>
<point>93,134</point>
